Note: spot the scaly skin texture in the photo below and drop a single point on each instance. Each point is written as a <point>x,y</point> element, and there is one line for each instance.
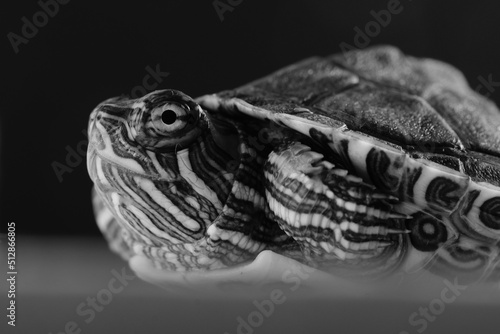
<point>339,220</point>
<point>187,207</point>
<point>285,164</point>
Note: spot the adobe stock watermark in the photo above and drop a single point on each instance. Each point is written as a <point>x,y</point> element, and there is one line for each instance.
<point>95,304</point>
<point>30,28</point>
<point>150,81</point>
<point>75,155</point>
<point>488,84</point>
<point>372,29</point>
<point>265,308</point>
<point>222,6</point>
<point>420,320</point>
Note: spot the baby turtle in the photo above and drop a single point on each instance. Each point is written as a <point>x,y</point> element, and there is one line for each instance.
<point>365,162</point>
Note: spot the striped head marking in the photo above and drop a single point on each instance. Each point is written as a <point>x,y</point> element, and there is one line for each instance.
<point>155,164</point>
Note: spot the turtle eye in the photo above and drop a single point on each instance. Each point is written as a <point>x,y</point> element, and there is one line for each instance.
<point>166,120</point>
<point>171,118</point>
<point>168,117</point>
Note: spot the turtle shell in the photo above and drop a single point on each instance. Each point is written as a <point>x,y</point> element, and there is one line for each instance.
<point>411,127</point>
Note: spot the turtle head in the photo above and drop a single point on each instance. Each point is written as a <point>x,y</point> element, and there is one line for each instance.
<point>154,163</point>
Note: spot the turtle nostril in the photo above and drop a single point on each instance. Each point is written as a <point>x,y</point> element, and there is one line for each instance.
<point>169,117</point>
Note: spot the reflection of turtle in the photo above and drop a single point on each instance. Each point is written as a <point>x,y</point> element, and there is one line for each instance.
<point>370,160</point>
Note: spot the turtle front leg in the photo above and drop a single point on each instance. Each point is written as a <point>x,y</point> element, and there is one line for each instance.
<point>335,217</point>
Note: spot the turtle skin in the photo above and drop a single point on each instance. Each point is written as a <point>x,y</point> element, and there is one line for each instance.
<point>365,162</point>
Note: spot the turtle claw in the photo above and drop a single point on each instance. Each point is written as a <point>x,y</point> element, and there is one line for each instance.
<point>357,179</point>
<point>311,171</point>
<point>310,158</point>
<point>298,148</point>
<point>339,172</point>
<point>328,165</point>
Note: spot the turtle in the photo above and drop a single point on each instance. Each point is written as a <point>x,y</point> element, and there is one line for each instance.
<point>360,164</point>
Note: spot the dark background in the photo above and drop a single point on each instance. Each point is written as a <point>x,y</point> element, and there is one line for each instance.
<point>92,50</point>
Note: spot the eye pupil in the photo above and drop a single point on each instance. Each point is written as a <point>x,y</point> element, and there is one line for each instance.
<point>168,117</point>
